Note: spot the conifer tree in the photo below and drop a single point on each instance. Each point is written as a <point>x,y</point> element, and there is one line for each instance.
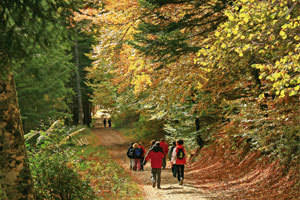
<point>24,25</point>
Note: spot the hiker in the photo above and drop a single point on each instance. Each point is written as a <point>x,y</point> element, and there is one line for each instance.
<point>179,158</point>
<point>174,169</point>
<point>109,122</point>
<point>130,155</point>
<point>165,148</point>
<point>156,156</point>
<point>152,143</point>
<point>138,152</point>
<point>104,122</point>
<point>142,156</point>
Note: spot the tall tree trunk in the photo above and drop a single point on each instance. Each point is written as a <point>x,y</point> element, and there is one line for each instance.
<point>78,87</point>
<point>15,177</point>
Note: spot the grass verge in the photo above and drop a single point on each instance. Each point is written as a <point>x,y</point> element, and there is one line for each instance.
<point>107,178</point>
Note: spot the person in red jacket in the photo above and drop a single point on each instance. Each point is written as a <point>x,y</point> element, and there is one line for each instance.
<point>156,156</point>
<point>165,148</point>
<point>143,155</point>
<point>179,158</point>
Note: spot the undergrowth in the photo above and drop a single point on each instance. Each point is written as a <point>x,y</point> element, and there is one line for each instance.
<point>107,178</point>
<point>76,171</point>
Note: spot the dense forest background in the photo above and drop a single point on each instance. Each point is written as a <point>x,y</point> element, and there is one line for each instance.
<point>222,74</point>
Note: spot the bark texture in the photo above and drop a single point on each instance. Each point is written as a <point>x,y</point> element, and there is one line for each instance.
<point>78,86</point>
<point>15,178</point>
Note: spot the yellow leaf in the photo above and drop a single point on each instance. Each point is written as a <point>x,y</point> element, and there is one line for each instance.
<point>283,35</point>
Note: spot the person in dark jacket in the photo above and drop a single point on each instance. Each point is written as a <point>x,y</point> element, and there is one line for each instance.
<point>174,169</point>
<point>109,122</point>
<point>156,156</point>
<point>138,154</point>
<point>104,122</point>
<point>130,155</point>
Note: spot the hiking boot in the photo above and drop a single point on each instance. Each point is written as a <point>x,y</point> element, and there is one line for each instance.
<point>181,182</point>
<point>153,185</point>
<point>158,187</point>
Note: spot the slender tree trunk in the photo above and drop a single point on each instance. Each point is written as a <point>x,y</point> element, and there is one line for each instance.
<point>15,177</point>
<point>78,88</point>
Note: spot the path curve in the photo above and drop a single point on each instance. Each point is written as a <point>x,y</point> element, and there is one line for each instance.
<point>117,146</point>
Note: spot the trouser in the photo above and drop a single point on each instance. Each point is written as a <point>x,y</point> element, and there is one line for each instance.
<point>174,170</point>
<point>137,164</point>
<point>156,172</point>
<point>142,166</point>
<point>132,163</point>
<point>180,172</point>
<point>164,163</point>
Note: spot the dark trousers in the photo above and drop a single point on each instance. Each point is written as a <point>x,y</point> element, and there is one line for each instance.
<point>174,170</point>
<point>164,163</point>
<point>142,166</point>
<point>180,172</point>
<point>156,172</point>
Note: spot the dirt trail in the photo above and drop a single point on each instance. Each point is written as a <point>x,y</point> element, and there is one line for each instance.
<point>170,189</point>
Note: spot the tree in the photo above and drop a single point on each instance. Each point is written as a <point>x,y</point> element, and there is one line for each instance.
<point>25,25</point>
<point>81,104</point>
<point>252,64</point>
<point>41,81</point>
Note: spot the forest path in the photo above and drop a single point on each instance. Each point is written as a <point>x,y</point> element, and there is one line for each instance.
<point>117,146</point>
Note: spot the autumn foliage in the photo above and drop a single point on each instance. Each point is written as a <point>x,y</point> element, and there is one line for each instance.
<point>233,65</point>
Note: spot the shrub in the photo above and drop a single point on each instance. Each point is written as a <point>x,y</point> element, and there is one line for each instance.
<point>53,180</point>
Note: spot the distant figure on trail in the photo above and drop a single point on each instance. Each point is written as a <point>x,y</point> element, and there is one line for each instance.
<point>104,122</point>
<point>165,148</point>
<point>138,154</point>
<point>174,169</point>
<point>109,122</point>
<point>179,158</point>
<point>156,156</point>
<point>130,155</point>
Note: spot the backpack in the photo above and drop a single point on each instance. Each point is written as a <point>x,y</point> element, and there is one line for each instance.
<point>138,152</point>
<point>180,154</point>
<point>130,153</point>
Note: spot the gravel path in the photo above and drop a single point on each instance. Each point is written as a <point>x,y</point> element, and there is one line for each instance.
<point>170,189</point>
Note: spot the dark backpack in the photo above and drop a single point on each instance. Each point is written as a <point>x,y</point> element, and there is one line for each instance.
<point>138,152</point>
<point>180,154</point>
<point>130,152</point>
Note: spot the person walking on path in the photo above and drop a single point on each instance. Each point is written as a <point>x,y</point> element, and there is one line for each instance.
<point>138,152</point>
<point>152,143</point>
<point>109,122</point>
<point>179,158</point>
<point>165,148</point>
<point>174,169</point>
<point>104,122</point>
<point>130,155</point>
<point>142,156</point>
<point>156,156</point>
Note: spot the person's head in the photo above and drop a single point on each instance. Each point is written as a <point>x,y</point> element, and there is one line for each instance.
<point>162,140</point>
<point>131,144</point>
<point>152,142</point>
<point>135,145</point>
<point>180,142</point>
<point>174,143</point>
<point>156,147</point>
